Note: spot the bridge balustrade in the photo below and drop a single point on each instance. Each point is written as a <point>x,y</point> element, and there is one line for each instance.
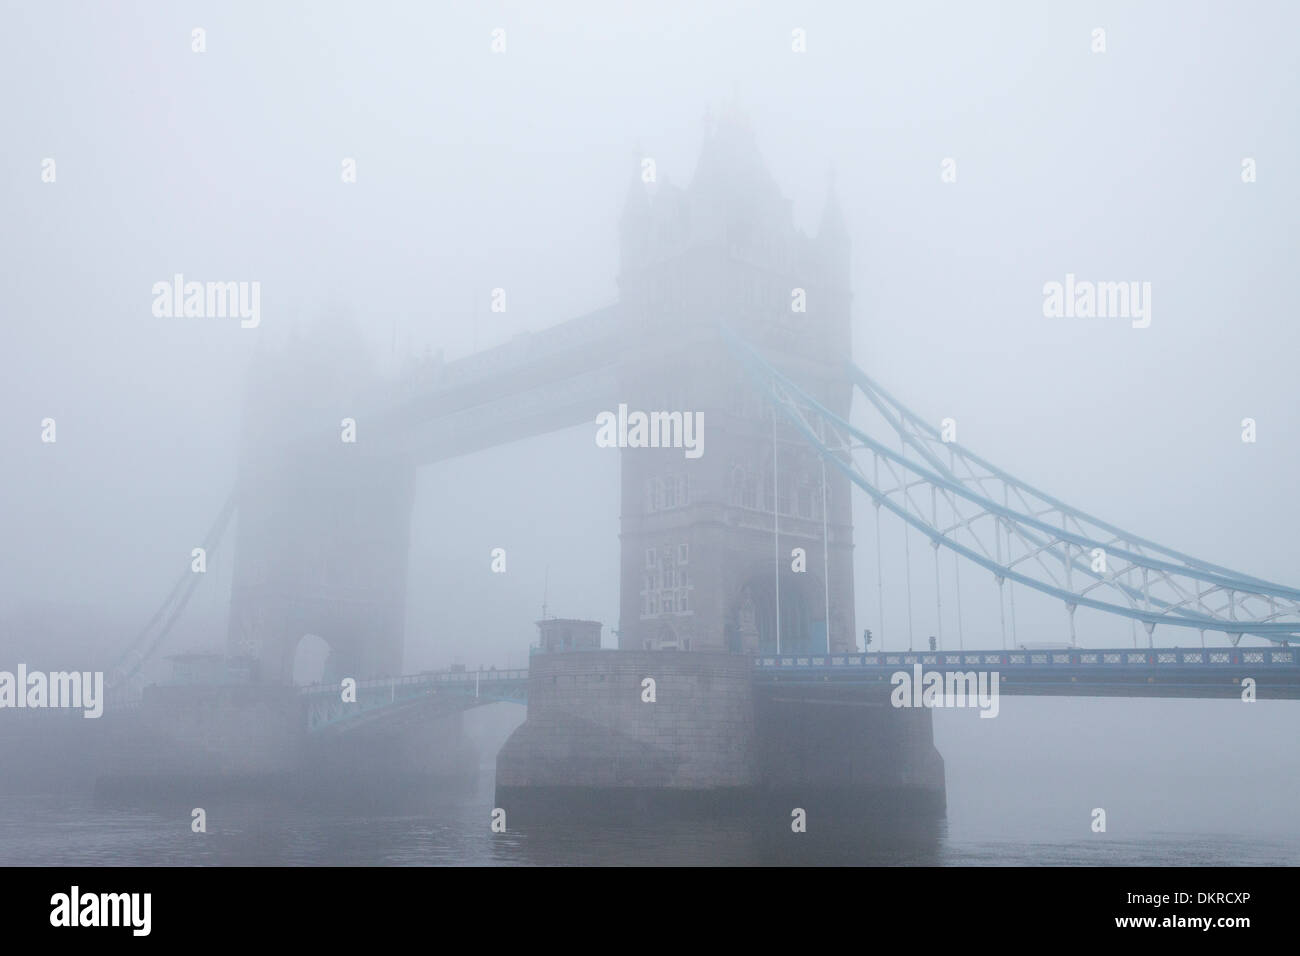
<point>1075,657</point>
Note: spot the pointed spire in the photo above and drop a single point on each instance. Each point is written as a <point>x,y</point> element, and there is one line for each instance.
<point>636,206</point>
<point>634,222</point>
<point>832,227</point>
<point>730,162</point>
<point>636,202</point>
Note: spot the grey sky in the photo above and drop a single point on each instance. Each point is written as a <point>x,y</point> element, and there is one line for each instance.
<point>478,171</point>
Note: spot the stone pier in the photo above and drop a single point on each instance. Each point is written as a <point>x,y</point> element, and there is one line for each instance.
<point>710,741</point>
<point>196,743</point>
<point>591,740</point>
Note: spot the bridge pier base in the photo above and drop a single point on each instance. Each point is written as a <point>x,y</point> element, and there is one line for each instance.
<point>202,739</point>
<point>430,746</point>
<point>630,730</point>
<point>197,743</point>
<point>847,755</point>
<point>710,742</point>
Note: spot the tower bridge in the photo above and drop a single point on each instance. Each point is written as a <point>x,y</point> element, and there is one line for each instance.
<point>745,651</point>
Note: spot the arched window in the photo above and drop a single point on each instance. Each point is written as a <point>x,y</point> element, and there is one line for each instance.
<point>804,499</point>
<point>666,584</point>
<point>780,496</point>
<point>654,495</point>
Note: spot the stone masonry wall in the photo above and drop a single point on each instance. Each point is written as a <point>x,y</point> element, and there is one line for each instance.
<point>588,726</point>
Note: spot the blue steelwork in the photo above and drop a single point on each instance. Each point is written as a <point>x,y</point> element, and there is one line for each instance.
<point>814,421</point>
<point>164,619</point>
<point>382,697</point>
<point>817,424</point>
<point>875,391</point>
<point>1101,672</point>
<point>1190,567</point>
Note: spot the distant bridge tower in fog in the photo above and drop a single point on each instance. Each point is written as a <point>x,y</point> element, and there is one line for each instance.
<point>323,524</point>
<point>699,555</point>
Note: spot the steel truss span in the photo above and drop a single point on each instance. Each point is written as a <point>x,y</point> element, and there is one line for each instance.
<point>1018,533</point>
<point>990,518</point>
<point>151,636</point>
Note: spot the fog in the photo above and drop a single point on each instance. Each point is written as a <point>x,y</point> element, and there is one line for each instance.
<point>478,171</point>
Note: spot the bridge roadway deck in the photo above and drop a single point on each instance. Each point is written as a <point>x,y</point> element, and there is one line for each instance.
<point>1081,672</point>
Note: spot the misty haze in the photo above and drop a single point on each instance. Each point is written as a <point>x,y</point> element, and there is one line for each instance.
<point>702,433</point>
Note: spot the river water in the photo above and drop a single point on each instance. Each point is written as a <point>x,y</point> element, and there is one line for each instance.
<point>1181,783</point>
<point>454,829</point>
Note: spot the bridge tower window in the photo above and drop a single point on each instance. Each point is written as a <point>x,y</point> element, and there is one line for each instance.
<point>662,494</point>
<point>654,495</point>
<point>666,584</point>
<point>804,499</point>
<point>744,488</point>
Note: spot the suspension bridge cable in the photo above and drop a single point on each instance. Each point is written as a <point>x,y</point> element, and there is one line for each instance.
<point>934,546</point>
<point>776,536</point>
<point>956,572</point>
<point>826,557</point>
<point>956,569</point>
<point>1011,586</point>
<point>1002,610</point>
<point>1037,536</point>
<point>875,393</point>
<point>1011,591</point>
<point>1188,566</point>
<point>907,560</point>
<point>142,648</point>
<point>1069,581</point>
<point>1001,581</point>
<point>880,567</point>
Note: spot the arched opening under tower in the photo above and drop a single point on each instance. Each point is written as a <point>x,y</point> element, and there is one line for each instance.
<point>752,621</point>
<point>311,660</point>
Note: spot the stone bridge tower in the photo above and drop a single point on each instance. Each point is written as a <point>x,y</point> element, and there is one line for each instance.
<point>699,560</point>
<point>323,525</point>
